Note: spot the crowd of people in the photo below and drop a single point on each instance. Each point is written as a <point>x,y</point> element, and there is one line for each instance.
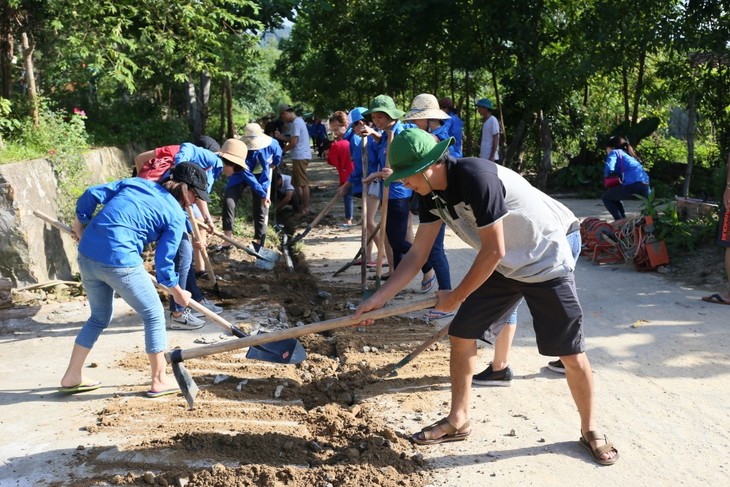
<point>401,164</point>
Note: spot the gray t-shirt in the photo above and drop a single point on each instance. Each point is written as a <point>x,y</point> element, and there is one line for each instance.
<point>301,150</point>
<point>480,193</point>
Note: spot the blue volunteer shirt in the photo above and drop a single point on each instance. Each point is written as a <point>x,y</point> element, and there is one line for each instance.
<point>210,161</point>
<point>376,160</point>
<point>258,161</point>
<point>355,178</point>
<point>136,212</point>
<point>452,127</point>
<point>620,162</point>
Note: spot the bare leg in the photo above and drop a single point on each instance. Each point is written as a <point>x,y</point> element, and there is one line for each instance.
<point>305,199</point>
<point>461,366</point>
<point>73,375</point>
<point>502,347</point>
<point>579,375</point>
<point>158,364</point>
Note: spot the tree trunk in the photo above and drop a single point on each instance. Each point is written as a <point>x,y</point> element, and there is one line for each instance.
<point>223,110</point>
<point>639,86</point>
<point>28,49</point>
<point>204,100</point>
<point>513,157</point>
<point>625,90</point>
<point>194,123</point>
<point>546,148</point>
<point>691,122</point>
<point>467,142</point>
<point>7,46</point>
<point>230,129</point>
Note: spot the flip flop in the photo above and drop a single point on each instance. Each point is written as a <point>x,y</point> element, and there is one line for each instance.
<point>83,387</point>
<point>437,315</point>
<point>164,392</point>
<point>715,298</point>
<point>426,286</point>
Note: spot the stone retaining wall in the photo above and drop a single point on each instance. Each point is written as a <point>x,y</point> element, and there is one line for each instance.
<point>30,250</point>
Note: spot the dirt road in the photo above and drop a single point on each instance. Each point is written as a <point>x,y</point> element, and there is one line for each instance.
<point>660,358</point>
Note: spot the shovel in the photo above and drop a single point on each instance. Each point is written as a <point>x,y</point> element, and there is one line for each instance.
<point>187,385</point>
<point>316,220</point>
<point>238,244</point>
<point>423,346</point>
<point>284,351</point>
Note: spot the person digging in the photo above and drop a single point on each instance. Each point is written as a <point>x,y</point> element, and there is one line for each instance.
<point>521,252</point>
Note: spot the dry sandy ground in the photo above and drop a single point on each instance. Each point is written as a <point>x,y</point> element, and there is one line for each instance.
<point>661,368</point>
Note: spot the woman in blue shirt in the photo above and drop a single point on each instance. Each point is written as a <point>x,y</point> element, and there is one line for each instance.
<point>622,162</point>
<point>135,212</point>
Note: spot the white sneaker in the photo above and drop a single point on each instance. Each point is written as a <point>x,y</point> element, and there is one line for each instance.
<point>208,305</point>
<point>186,321</point>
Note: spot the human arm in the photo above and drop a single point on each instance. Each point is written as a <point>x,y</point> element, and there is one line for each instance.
<point>141,158</point>
<point>495,146</point>
<point>285,200</point>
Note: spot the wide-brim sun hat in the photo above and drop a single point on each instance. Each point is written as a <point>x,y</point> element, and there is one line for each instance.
<point>485,103</point>
<point>412,151</point>
<point>384,104</point>
<point>234,151</point>
<point>254,137</point>
<point>425,107</point>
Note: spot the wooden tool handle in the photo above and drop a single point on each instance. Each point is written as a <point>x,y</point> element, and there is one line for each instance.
<point>196,235</point>
<point>321,326</point>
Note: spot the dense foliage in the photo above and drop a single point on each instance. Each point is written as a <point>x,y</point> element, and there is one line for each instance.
<point>564,74</point>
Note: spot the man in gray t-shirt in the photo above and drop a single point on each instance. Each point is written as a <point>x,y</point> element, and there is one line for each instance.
<point>297,144</point>
<point>519,234</point>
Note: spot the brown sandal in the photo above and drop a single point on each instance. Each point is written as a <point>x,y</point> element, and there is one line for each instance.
<point>585,440</point>
<point>425,436</point>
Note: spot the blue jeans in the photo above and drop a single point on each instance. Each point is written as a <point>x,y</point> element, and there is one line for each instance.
<point>185,268</point>
<point>396,228</point>
<point>349,205</point>
<point>612,197</point>
<point>575,242</point>
<point>134,286</point>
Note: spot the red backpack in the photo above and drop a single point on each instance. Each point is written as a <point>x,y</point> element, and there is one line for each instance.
<point>163,161</point>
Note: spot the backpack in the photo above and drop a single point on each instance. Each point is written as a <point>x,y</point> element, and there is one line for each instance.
<point>158,166</point>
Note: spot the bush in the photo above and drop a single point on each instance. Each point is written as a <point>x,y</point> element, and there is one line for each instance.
<point>138,121</point>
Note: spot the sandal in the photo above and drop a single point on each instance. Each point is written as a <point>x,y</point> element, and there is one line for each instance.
<point>425,436</point>
<point>427,285</point>
<point>585,440</point>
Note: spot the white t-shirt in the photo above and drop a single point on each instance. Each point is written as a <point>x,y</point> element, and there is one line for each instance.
<point>490,128</point>
<point>301,150</point>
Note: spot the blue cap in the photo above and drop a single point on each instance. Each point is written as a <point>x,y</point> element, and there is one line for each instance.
<point>485,103</point>
<point>355,115</point>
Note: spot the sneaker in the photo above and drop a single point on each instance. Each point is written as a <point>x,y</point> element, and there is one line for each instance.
<point>556,366</point>
<point>209,306</point>
<point>488,377</point>
<point>186,321</point>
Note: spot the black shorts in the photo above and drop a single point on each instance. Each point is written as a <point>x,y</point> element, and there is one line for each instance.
<point>723,236</point>
<point>556,312</point>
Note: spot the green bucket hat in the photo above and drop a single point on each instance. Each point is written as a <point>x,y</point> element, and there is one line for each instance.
<point>412,151</point>
<point>385,104</point>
